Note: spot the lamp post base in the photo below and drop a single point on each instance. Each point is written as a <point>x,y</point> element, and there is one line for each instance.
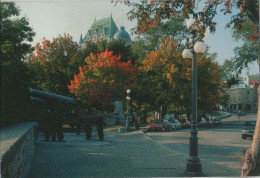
<point>193,169</point>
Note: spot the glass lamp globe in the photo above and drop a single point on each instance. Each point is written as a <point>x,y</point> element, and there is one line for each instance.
<point>199,47</point>
<point>187,54</point>
<point>128,98</point>
<point>190,22</point>
<point>128,91</point>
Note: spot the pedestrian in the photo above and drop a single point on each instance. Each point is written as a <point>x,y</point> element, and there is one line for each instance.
<point>238,114</point>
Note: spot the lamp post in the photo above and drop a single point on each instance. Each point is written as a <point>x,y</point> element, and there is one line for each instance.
<point>127,112</point>
<point>193,166</point>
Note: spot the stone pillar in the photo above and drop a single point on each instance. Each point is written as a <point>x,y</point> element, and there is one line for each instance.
<point>120,112</point>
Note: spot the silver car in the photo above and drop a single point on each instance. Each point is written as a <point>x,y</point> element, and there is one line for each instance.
<point>176,124</point>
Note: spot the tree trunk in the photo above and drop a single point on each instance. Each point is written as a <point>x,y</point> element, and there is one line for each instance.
<point>250,158</point>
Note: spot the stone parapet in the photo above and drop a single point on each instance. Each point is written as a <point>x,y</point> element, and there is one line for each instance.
<point>17,146</point>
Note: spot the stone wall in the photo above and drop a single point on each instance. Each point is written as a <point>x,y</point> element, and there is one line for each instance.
<point>17,146</point>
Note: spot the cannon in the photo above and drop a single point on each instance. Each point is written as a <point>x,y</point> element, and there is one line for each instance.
<point>64,104</point>
<point>41,96</point>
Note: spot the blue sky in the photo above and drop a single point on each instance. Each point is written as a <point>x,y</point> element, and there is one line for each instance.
<point>51,18</point>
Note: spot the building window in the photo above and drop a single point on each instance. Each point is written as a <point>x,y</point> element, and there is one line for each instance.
<point>240,107</point>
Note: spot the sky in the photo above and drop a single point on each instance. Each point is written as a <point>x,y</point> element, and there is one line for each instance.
<point>50,19</point>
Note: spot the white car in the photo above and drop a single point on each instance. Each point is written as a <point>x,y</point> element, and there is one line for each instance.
<point>176,124</point>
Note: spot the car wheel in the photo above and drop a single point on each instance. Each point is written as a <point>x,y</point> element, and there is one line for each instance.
<point>243,137</point>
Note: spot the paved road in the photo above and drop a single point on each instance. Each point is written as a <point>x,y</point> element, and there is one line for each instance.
<point>119,155</point>
<point>222,144</point>
<point>130,154</point>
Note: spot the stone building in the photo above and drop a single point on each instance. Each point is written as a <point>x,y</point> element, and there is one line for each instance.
<point>104,29</point>
<point>243,97</point>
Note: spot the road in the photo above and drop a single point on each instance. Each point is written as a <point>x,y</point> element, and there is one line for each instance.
<point>221,144</point>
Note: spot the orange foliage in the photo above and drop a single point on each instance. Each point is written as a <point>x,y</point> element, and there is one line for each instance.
<point>103,70</point>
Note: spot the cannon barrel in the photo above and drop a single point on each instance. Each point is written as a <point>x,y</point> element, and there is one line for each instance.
<point>50,96</point>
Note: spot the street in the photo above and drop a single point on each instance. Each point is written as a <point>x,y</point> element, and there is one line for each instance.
<point>220,144</point>
<point>134,154</point>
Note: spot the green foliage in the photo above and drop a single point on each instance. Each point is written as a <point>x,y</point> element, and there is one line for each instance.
<point>249,51</point>
<point>15,32</point>
<point>119,47</point>
<point>54,64</point>
<point>164,79</point>
<point>245,55</point>
<point>150,13</point>
<point>150,40</point>
<point>228,68</point>
<point>254,77</point>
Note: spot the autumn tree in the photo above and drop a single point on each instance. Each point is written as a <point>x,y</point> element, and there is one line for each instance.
<point>119,47</point>
<point>166,80</point>
<point>102,81</point>
<point>150,40</point>
<point>151,13</point>
<point>54,64</point>
<point>15,37</point>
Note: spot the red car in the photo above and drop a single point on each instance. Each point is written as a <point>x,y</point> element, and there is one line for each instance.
<point>185,124</point>
<point>161,125</point>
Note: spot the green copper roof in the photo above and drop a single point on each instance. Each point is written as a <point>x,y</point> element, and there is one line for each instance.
<point>122,34</point>
<point>81,40</point>
<point>106,24</point>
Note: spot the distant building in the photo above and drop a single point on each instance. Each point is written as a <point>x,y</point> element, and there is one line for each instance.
<point>104,29</point>
<point>243,96</point>
<point>122,34</point>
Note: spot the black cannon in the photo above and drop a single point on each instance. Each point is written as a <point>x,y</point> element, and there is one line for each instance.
<point>65,107</point>
<point>51,108</point>
<point>41,96</point>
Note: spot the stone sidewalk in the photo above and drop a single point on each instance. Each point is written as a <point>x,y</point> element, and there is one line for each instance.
<point>130,154</point>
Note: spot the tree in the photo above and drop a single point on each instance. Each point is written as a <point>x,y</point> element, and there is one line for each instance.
<point>166,80</point>
<point>54,64</point>
<point>249,51</point>
<point>101,81</point>
<point>254,77</point>
<point>151,13</point>
<point>15,33</point>
<point>150,40</point>
<point>119,47</point>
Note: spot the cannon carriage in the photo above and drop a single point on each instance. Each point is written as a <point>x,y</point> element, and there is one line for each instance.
<point>66,107</point>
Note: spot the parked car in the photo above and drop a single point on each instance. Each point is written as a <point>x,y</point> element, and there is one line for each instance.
<point>176,124</point>
<point>169,117</point>
<point>161,125</point>
<point>215,120</point>
<point>185,124</point>
<point>203,123</point>
<point>248,129</point>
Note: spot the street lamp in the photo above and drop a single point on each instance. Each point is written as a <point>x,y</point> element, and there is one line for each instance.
<point>128,91</point>
<point>193,166</point>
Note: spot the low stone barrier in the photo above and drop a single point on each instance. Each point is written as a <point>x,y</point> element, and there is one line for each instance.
<point>17,146</point>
